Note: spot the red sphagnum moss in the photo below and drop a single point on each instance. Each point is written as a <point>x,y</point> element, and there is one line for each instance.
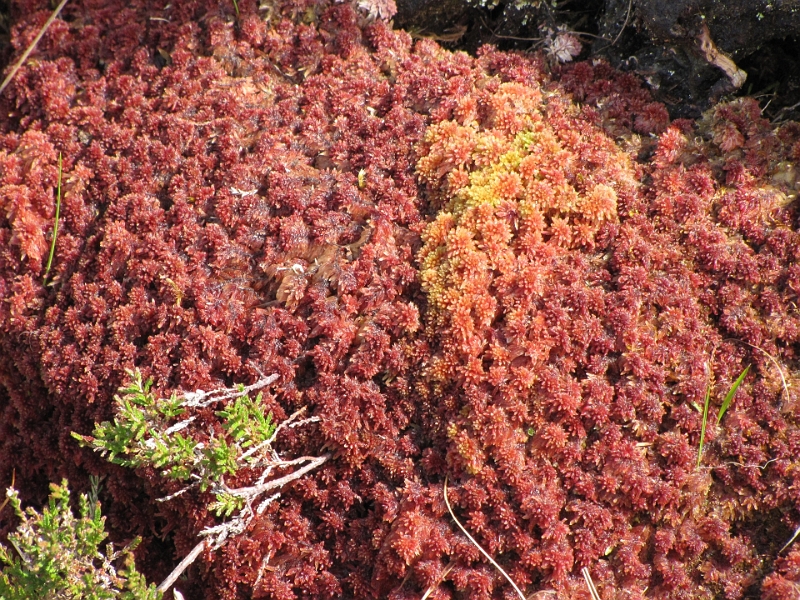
<point>463,266</point>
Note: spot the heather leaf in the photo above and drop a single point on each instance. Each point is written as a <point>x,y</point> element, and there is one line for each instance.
<point>219,458</point>
<point>246,423</point>
<point>172,408</point>
<point>226,504</point>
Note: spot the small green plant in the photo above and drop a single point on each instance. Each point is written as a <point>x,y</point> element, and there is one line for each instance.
<point>56,555</point>
<point>726,403</point>
<point>55,223</point>
<point>149,431</point>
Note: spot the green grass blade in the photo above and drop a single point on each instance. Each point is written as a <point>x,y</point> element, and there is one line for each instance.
<point>731,393</point>
<point>703,428</point>
<point>55,224</point>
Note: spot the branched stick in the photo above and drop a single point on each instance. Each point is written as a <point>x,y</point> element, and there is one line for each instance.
<point>264,563</point>
<point>33,45</point>
<point>237,525</point>
<point>180,492</point>
<point>287,423</point>
<point>256,490</point>
<point>141,434</point>
<point>182,566</point>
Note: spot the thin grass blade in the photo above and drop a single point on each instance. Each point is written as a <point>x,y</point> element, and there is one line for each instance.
<point>55,223</point>
<point>731,393</point>
<point>590,584</point>
<point>703,428</point>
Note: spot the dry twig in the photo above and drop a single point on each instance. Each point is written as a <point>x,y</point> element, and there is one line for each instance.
<point>477,545</point>
<point>33,45</point>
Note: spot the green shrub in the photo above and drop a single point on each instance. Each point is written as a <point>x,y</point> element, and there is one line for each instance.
<point>57,556</point>
<point>146,432</point>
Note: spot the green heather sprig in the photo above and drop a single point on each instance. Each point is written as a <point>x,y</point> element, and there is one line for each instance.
<point>57,555</point>
<point>153,432</point>
<point>143,434</point>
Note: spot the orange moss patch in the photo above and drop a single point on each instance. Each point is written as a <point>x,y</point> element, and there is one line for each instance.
<point>524,178</point>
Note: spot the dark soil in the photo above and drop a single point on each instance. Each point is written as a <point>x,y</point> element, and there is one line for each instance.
<point>654,39</point>
<point>657,40</point>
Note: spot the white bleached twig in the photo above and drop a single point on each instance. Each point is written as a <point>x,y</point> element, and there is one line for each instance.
<point>478,546</point>
<point>33,45</point>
